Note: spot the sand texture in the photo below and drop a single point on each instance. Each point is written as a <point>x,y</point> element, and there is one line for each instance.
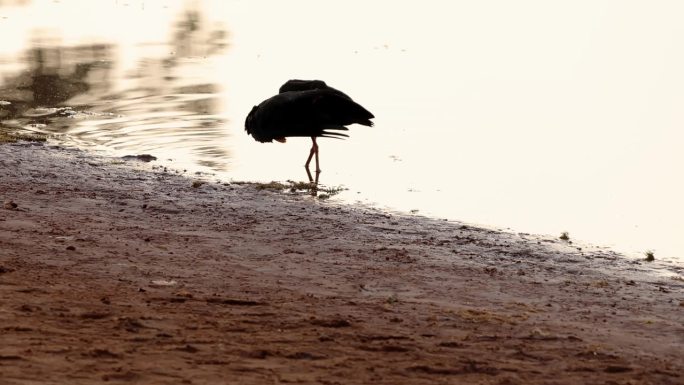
<point>127,274</point>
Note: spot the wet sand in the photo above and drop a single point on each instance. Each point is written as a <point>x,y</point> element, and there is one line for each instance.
<point>127,274</point>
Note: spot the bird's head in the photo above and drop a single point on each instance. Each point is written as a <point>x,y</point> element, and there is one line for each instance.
<point>250,120</point>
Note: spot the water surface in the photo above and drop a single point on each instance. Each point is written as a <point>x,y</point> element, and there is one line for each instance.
<point>534,116</point>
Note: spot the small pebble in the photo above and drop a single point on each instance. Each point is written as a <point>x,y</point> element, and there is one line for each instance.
<point>10,205</point>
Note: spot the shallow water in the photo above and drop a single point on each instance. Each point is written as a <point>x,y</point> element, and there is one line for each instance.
<point>536,117</point>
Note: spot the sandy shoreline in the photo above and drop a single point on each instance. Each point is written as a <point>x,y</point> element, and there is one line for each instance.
<point>114,273</point>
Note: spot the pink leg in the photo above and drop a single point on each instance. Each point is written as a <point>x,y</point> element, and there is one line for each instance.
<point>314,151</point>
<point>318,169</point>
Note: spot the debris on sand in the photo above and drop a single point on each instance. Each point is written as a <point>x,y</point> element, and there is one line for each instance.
<point>141,158</point>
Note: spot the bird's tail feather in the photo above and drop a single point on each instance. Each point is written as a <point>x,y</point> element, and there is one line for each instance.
<point>326,133</point>
<point>334,127</point>
<point>336,135</point>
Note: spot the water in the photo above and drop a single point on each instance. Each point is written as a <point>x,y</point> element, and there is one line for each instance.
<point>535,116</point>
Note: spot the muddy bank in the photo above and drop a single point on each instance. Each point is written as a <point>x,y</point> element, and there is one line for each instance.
<point>114,273</point>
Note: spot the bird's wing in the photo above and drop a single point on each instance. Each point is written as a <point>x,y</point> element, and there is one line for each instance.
<point>318,112</point>
<point>333,108</point>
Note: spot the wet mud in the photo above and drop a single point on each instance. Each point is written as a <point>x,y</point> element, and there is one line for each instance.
<point>126,272</point>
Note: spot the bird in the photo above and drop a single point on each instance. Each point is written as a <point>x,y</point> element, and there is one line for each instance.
<point>305,108</point>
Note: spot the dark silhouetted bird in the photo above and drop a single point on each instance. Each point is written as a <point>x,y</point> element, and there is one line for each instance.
<point>305,108</point>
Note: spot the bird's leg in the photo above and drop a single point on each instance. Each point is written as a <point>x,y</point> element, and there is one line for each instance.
<point>314,191</point>
<point>314,151</point>
<point>308,173</point>
<point>308,160</point>
<point>318,169</point>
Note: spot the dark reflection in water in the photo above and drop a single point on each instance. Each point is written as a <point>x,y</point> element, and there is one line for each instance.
<point>53,77</point>
<point>164,105</point>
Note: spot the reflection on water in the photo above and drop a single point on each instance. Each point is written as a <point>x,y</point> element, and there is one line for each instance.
<point>53,76</point>
<point>541,116</point>
<point>163,104</point>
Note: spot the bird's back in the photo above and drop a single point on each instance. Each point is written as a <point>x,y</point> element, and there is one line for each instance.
<point>308,85</point>
<point>302,85</point>
<point>310,112</point>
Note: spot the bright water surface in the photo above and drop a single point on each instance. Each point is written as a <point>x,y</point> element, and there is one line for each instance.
<point>537,116</point>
